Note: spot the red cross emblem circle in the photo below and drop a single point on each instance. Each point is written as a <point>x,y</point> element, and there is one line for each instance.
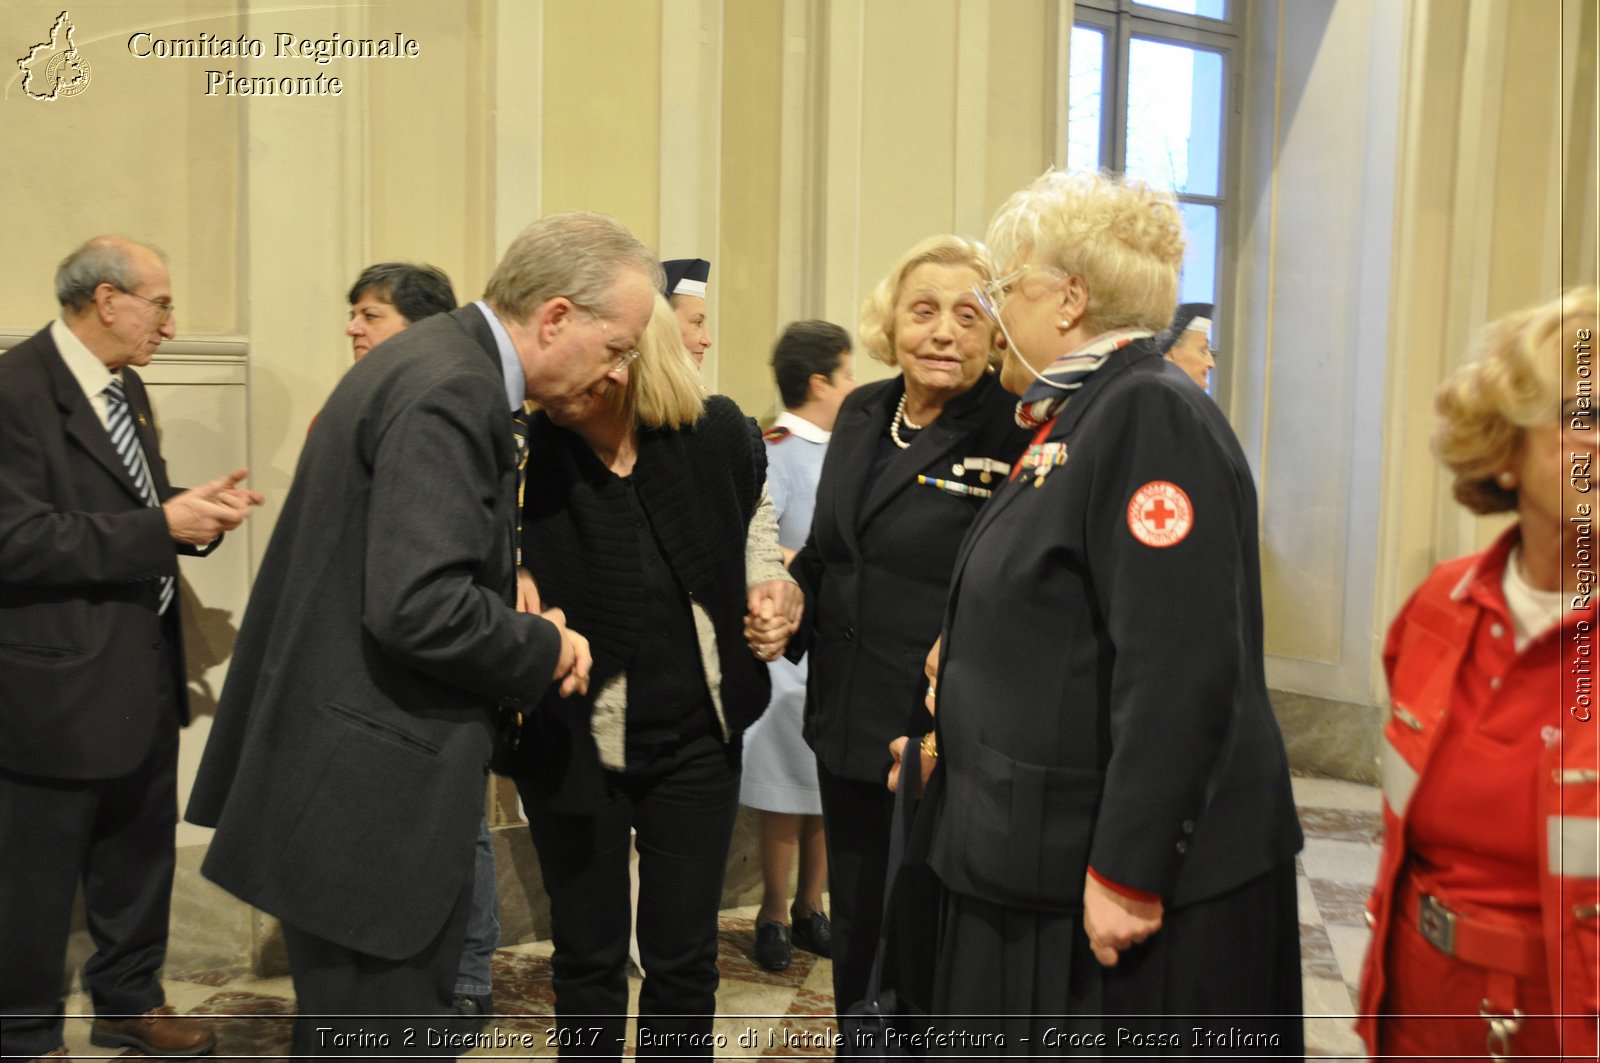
<point>1160,514</point>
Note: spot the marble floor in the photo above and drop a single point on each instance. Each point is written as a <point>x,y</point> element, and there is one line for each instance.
<point>789,1014</point>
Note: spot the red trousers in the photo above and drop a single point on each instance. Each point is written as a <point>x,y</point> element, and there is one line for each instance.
<point>1431,1007</point>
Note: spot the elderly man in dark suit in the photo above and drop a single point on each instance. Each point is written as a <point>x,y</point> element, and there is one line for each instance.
<point>92,689</point>
<point>382,644</point>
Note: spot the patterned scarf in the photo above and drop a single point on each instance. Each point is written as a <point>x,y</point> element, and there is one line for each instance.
<point>1067,374</point>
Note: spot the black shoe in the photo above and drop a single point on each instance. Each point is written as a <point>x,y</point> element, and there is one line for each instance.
<point>472,1011</point>
<point>772,945</point>
<point>813,933</point>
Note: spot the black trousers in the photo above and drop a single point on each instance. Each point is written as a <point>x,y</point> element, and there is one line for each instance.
<point>352,1004</point>
<point>682,804</point>
<point>857,817</point>
<point>117,836</point>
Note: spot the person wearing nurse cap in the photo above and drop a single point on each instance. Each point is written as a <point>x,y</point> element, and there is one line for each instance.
<point>1187,343</point>
<point>686,291</point>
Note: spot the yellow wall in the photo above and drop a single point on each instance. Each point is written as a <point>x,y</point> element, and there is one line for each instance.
<point>602,88</point>
<point>744,272</point>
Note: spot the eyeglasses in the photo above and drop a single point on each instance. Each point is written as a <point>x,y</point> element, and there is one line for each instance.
<point>624,358</point>
<point>991,295</point>
<point>163,307</point>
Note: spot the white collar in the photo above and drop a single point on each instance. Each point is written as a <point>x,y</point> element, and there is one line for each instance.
<point>90,372</point>
<point>801,427</point>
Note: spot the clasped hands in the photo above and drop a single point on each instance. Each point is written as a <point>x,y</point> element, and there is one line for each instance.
<point>574,662</point>
<point>775,607</point>
<point>200,514</point>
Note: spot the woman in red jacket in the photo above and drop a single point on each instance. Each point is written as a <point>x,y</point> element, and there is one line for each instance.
<point>1484,913</point>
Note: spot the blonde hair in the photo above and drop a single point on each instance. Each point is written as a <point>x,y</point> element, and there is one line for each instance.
<point>664,389</point>
<point>877,313</point>
<point>1515,383</point>
<point>1124,238</point>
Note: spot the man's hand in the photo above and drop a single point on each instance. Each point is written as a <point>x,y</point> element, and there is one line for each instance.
<point>930,668</point>
<point>200,514</point>
<point>572,666</point>
<point>1114,922</point>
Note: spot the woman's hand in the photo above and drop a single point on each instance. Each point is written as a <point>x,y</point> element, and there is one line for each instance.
<point>527,592</point>
<point>930,668</point>
<point>1115,922</point>
<point>774,615</point>
<point>896,749</point>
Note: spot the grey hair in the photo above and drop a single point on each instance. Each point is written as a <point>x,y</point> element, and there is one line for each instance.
<point>575,254</point>
<point>102,260</point>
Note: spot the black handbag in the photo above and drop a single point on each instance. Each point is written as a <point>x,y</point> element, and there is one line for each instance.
<point>868,1027</point>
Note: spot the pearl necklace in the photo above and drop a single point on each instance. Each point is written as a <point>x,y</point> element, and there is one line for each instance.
<point>900,418</point>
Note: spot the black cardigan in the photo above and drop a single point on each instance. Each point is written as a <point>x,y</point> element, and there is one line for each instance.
<point>700,487</point>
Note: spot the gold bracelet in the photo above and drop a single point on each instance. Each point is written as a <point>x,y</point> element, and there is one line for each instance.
<point>930,746</point>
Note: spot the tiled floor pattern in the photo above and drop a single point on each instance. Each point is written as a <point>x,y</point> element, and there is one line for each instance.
<point>790,1013</point>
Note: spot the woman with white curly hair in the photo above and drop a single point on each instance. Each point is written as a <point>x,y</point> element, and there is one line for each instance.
<point>909,464</point>
<point>1115,830</point>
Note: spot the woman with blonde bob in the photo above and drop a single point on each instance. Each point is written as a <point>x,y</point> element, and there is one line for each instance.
<point>1486,912</point>
<point>638,522</point>
<point>909,464</point>
<point>1115,833</point>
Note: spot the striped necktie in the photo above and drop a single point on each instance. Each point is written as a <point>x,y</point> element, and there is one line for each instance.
<point>519,427</point>
<point>120,425</point>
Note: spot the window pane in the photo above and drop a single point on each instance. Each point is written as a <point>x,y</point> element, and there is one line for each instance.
<point>1198,284</point>
<point>1217,9</point>
<point>1085,85</point>
<point>1175,115</point>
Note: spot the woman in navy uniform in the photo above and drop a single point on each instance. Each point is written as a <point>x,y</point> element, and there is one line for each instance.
<point>909,464</point>
<point>1115,832</point>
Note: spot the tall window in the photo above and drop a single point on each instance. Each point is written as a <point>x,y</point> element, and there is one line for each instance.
<point>1150,94</point>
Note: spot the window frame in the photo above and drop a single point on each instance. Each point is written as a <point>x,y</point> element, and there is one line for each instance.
<point>1123,20</point>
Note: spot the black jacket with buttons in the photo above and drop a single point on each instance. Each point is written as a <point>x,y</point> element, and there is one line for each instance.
<point>1102,694</point>
<point>877,565</point>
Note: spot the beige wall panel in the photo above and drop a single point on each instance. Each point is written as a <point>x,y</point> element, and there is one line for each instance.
<point>1523,267</point>
<point>908,146</point>
<point>1021,142</point>
<point>744,275</point>
<point>602,71</point>
<point>139,151</point>
<point>1580,157</point>
<point>429,165</point>
<point>1305,468</point>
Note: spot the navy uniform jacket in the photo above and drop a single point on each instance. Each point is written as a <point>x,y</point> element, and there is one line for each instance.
<point>877,566</point>
<point>82,646</point>
<point>346,766</point>
<point>1102,695</point>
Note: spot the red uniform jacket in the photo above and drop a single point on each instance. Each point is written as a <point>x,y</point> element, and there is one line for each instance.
<point>1424,659</point>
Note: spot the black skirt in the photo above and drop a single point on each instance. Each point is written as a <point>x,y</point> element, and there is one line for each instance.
<point>1221,979</point>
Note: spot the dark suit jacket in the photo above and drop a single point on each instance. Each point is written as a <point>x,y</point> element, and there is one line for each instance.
<point>345,770</point>
<point>82,647</point>
<point>877,567</point>
<point>1103,701</point>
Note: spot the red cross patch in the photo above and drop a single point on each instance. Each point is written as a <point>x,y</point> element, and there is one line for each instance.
<point>1160,514</point>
